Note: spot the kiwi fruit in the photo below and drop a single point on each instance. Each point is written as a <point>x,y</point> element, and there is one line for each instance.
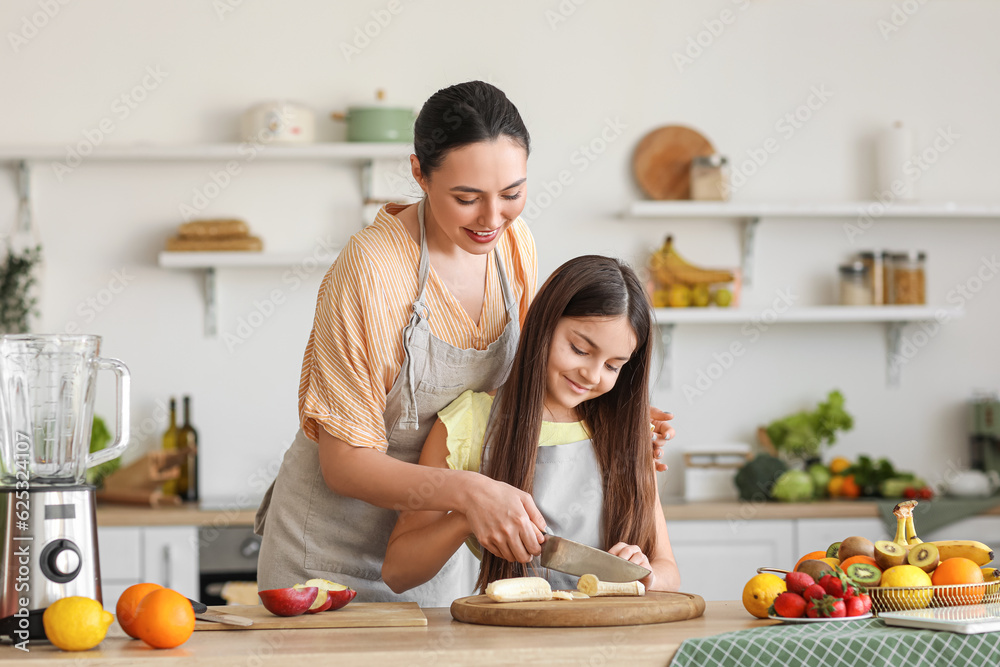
<point>925,556</point>
<point>815,568</point>
<point>889,554</point>
<point>864,574</point>
<point>856,546</point>
<point>833,550</point>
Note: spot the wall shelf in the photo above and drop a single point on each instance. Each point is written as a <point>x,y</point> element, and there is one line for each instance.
<point>210,262</point>
<point>895,319</point>
<point>343,151</point>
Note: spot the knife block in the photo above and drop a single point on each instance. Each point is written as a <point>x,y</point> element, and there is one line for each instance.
<point>141,482</point>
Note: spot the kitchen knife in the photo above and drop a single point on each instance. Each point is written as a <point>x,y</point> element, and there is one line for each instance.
<point>578,559</point>
<point>201,612</point>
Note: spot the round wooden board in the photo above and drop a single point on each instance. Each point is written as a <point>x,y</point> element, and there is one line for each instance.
<point>662,161</point>
<point>653,607</point>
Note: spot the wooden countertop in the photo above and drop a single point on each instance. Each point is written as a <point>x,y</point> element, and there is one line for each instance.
<point>191,515</point>
<point>443,642</point>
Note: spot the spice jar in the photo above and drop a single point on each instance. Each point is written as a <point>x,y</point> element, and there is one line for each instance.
<point>710,178</point>
<point>907,281</point>
<point>876,275</point>
<point>854,287</point>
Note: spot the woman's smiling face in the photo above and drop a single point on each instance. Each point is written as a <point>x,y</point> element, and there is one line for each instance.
<point>585,357</point>
<point>476,193</point>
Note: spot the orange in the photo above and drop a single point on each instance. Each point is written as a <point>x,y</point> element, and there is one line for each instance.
<point>812,555</point>
<point>859,559</point>
<point>850,488</point>
<point>129,602</point>
<point>164,619</point>
<point>953,571</point>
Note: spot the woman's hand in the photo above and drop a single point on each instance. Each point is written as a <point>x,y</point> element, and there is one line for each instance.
<point>662,431</point>
<point>504,519</point>
<point>633,554</point>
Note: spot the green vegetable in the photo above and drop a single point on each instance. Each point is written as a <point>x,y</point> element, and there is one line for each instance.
<point>793,486</point>
<point>895,487</point>
<point>757,477</point>
<point>801,435</point>
<point>100,436</point>
<point>16,280</point>
<point>820,475</point>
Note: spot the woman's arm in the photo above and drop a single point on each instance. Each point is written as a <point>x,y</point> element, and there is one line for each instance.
<point>423,541</point>
<point>503,518</point>
<point>665,576</point>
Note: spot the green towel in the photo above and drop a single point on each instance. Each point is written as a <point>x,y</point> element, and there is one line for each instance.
<point>930,515</point>
<point>839,644</point>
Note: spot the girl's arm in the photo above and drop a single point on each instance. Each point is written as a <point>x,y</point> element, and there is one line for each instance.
<point>424,540</point>
<point>665,575</point>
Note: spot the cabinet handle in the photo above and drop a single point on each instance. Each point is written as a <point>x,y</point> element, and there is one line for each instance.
<point>167,564</point>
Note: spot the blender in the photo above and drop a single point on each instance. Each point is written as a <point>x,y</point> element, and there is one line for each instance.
<point>48,526</point>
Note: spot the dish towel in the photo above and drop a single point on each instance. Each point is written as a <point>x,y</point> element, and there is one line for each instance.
<point>839,644</point>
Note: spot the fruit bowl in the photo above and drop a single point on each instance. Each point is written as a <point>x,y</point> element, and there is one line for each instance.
<point>903,598</point>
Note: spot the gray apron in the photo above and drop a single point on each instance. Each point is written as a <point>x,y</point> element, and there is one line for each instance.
<point>311,532</point>
<point>568,491</point>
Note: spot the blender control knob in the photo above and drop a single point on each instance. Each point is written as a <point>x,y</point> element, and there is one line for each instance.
<point>61,561</point>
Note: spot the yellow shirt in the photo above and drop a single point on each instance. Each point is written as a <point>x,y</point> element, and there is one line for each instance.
<point>355,349</point>
<point>466,418</point>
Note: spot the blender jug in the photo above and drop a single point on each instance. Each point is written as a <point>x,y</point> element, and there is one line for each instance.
<point>47,385</point>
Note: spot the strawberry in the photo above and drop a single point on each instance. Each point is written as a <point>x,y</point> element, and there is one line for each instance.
<point>798,582</point>
<point>866,600</point>
<point>839,609</point>
<point>789,605</point>
<point>855,606</point>
<point>814,592</point>
<point>834,585</point>
<point>826,607</point>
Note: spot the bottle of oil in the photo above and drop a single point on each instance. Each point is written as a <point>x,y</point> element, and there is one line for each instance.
<point>171,486</point>
<point>187,438</point>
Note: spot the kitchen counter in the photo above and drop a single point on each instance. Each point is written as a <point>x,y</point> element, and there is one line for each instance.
<point>192,515</point>
<point>443,642</point>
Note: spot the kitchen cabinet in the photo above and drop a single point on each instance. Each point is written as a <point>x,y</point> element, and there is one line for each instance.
<point>165,555</point>
<point>817,534</point>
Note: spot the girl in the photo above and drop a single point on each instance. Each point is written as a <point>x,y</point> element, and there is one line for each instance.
<point>570,426</point>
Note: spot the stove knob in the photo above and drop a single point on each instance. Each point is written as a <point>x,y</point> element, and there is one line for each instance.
<point>61,561</point>
<point>250,547</point>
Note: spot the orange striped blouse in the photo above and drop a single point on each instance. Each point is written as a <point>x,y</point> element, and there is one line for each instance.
<point>355,349</point>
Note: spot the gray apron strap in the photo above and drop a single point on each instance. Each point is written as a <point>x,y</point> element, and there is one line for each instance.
<point>409,418</point>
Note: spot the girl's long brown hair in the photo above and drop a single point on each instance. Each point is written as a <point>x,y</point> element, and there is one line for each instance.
<point>588,286</point>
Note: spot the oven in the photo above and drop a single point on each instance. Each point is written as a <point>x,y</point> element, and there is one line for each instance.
<point>225,554</point>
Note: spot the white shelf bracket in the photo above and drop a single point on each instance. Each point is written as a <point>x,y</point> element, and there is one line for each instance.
<point>25,211</point>
<point>894,343</point>
<point>666,375</point>
<point>211,303</point>
<point>749,239</point>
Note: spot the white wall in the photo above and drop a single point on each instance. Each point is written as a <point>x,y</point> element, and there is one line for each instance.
<point>605,62</point>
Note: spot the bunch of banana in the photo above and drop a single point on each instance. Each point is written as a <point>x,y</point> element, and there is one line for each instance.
<point>906,537</point>
<point>669,268</point>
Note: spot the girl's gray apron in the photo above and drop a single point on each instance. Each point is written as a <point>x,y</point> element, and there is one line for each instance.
<point>311,532</point>
<point>569,493</point>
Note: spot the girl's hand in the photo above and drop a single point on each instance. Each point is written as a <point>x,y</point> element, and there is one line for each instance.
<point>633,554</point>
<point>662,431</point>
<point>505,520</point>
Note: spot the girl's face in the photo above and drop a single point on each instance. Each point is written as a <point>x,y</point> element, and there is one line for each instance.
<point>584,359</point>
<point>476,193</point>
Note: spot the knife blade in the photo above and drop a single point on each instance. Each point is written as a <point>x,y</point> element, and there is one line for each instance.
<point>201,611</point>
<point>574,558</point>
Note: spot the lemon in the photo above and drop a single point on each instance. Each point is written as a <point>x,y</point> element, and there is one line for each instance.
<point>760,591</point>
<point>76,623</point>
<point>905,576</point>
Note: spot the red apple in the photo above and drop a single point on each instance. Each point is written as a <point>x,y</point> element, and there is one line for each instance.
<point>288,601</point>
<point>322,602</point>
<point>338,594</point>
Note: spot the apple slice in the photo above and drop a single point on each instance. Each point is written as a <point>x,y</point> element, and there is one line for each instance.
<point>322,603</point>
<point>338,594</point>
<point>288,601</point>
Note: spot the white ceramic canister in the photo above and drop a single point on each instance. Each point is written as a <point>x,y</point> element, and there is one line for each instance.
<point>280,122</point>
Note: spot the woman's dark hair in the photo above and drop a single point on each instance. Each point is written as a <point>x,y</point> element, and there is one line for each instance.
<point>618,421</point>
<point>464,114</point>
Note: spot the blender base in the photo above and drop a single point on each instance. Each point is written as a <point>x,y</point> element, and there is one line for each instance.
<point>16,630</point>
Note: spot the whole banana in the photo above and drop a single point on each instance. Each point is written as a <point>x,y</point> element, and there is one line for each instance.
<point>971,549</point>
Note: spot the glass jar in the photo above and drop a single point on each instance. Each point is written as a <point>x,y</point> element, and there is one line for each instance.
<point>873,262</point>
<point>710,178</point>
<point>854,286</point>
<point>907,279</point>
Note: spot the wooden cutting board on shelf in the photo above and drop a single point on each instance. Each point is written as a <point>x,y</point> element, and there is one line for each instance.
<point>662,161</point>
<point>354,615</point>
<point>653,607</point>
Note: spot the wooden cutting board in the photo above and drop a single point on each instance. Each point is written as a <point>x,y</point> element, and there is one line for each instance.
<point>662,161</point>
<point>653,607</point>
<point>354,615</point>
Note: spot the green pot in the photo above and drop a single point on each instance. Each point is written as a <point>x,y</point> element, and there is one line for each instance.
<point>379,124</point>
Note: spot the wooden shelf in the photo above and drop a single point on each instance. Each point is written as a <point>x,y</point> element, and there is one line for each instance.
<point>811,210</point>
<point>344,151</point>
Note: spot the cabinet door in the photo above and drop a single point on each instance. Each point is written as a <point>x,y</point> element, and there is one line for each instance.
<point>717,558</point>
<point>986,529</point>
<point>818,534</point>
<point>120,553</point>
<point>170,556</point>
